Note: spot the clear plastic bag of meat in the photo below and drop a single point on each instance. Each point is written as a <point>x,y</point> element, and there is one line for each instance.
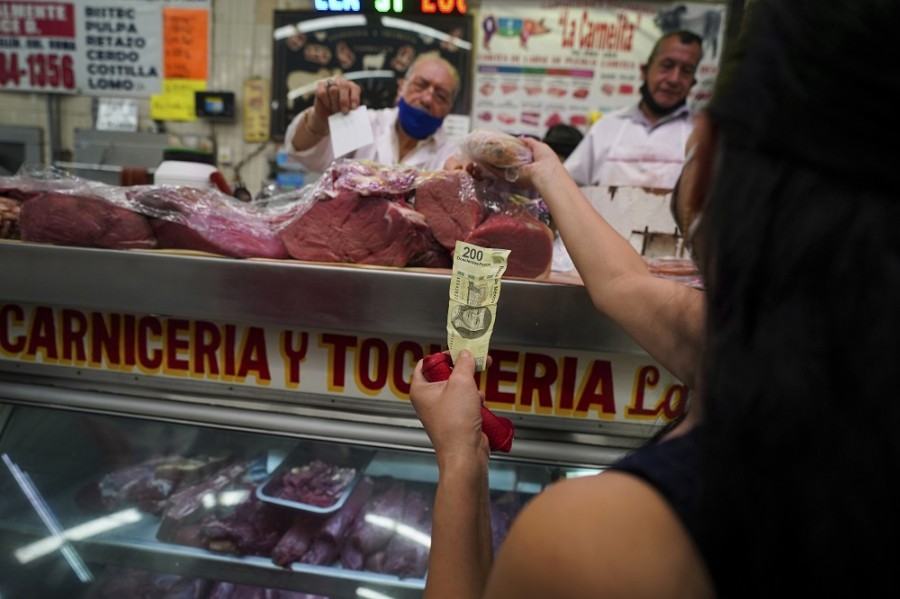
<point>57,208</point>
<point>206,220</point>
<point>60,209</point>
<point>489,147</point>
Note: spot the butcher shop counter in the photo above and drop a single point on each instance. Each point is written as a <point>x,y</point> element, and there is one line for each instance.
<point>154,405</point>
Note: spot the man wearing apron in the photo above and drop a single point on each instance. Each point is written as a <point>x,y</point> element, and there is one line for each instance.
<point>643,145</point>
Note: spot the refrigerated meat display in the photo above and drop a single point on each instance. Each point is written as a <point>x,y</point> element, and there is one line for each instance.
<point>193,426</point>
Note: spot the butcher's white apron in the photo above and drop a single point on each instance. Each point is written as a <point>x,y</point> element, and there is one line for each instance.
<point>639,162</point>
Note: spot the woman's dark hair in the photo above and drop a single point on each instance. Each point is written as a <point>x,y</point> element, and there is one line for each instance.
<point>800,402</point>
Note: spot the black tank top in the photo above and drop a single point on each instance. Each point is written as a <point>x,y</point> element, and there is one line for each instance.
<point>672,468</point>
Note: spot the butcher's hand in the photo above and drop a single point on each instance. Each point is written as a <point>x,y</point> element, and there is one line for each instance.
<point>333,95</point>
<point>450,411</point>
<point>542,173</point>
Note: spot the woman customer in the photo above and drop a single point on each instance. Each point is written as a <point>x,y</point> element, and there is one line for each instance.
<point>782,480</point>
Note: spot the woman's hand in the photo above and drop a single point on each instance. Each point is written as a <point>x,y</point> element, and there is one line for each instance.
<point>450,411</point>
<point>539,174</point>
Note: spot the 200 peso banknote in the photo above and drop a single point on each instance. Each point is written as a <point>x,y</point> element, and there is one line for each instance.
<point>474,292</point>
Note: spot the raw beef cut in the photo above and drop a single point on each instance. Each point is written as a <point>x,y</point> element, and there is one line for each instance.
<point>327,544</point>
<point>406,556</point>
<point>529,240</point>
<point>254,528</point>
<point>355,229</point>
<point>365,537</point>
<point>206,221</point>
<point>316,483</point>
<point>83,221</point>
<point>298,538</point>
<point>424,249</point>
<point>184,506</point>
<point>447,200</point>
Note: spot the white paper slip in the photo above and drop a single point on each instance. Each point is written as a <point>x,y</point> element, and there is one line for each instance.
<point>350,131</point>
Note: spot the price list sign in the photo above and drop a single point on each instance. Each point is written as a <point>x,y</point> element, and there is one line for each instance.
<point>37,46</point>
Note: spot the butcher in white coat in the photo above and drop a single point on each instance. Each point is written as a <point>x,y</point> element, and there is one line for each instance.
<point>410,133</point>
<point>643,145</point>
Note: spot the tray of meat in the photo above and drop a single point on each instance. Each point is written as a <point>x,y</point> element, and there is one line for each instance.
<point>316,477</point>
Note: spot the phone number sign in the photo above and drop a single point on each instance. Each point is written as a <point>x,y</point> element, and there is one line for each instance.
<point>91,47</point>
<point>37,44</point>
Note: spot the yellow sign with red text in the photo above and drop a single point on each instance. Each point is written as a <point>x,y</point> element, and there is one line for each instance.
<point>544,382</point>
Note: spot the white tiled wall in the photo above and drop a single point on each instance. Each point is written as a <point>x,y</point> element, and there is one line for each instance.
<point>241,48</point>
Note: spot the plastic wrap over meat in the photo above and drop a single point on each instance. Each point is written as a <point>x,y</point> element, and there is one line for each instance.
<point>75,211</point>
<point>367,178</point>
<point>206,220</point>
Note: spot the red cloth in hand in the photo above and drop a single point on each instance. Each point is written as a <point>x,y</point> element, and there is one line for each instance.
<point>499,430</point>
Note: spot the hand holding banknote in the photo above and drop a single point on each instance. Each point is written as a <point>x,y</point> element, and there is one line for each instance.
<point>474,292</point>
<point>499,430</point>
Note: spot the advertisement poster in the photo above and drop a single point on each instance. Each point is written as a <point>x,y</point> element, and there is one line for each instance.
<point>90,47</point>
<point>566,61</point>
<point>374,50</point>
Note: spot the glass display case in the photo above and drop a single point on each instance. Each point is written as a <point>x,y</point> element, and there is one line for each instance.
<point>108,506</point>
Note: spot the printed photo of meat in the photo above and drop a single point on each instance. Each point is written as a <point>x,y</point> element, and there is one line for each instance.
<point>346,57</point>
<point>557,92</point>
<point>581,93</point>
<point>553,119</point>
<point>608,89</point>
<point>506,118</point>
<point>403,58</point>
<point>296,41</point>
<point>486,89</point>
<point>317,53</point>
<point>626,89</point>
<point>531,118</point>
<point>486,116</point>
<point>508,88</point>
<point>533,90</point>
<point>578,120</point>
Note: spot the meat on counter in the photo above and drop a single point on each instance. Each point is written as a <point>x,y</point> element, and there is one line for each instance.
<point>84,221</point>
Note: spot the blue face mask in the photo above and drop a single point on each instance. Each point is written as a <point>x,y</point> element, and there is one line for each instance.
<point>417,123</point>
